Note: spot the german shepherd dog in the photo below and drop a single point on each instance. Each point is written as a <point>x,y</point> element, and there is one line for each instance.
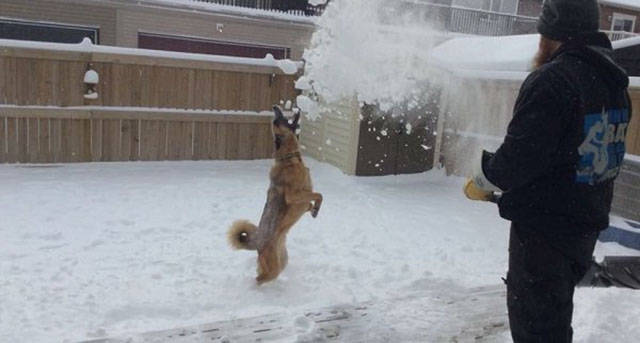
<point>290,195</point>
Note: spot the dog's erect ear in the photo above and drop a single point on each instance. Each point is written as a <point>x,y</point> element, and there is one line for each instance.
<point>296,119</point>
<point>278,112</point>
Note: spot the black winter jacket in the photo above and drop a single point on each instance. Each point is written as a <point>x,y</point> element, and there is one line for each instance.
<point>566,141</point>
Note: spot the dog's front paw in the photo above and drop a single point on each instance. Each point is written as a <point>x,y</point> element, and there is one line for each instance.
<point>314,211</point>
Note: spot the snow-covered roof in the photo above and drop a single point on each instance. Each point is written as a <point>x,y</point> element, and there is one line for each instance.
<point>287,66</point>
<point>630,4</point>
<point>500,58</point>
<point>501,55</point>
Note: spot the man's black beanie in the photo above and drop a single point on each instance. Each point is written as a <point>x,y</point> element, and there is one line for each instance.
<point>563,20</point>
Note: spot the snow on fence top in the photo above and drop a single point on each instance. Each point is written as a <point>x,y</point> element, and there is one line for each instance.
<point>287,66</point>
<point>138,110</point>
<point>233,10</point>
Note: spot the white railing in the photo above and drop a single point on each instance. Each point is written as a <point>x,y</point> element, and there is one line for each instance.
<point>468,20</point>
<point>295,7</point>
<point>617,35</point>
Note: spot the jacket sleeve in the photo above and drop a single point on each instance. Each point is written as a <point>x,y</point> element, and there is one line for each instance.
<point>533,135</point>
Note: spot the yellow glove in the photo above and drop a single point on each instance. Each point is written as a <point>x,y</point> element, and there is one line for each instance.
<point>473,192</point>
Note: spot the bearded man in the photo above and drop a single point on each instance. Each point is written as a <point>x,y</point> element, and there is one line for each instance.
<point>556,168</point>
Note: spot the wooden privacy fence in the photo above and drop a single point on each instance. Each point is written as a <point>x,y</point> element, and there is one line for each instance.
<point>85,135</point>
<point>31,76</point>
<point>151,105</point>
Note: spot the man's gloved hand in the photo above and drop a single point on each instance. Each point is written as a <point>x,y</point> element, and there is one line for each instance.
<point>473,192</point>
<point>478,187</point>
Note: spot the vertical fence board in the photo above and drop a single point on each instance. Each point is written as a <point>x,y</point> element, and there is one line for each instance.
<point>107,85</point>
<point>121,81</point>
<point>234,90</point>
<point>70,141</point>
<point>232,141</point>
<point>217,95</point>
<point>3,79</point>
<point>212,142</point>
<point>3,136</point>
<point>56,139</point>
<point>12,140</point>
<point>56,88</point>
<point>23,140</point>
<point>179,140</point>
<point>222,130</point>
<point>202,91</point>
<point>129,140</point>
<point>44,149</point>
<point>202,141</point>
<point>191,88</point>
<point>246,141</point>
<point>72,86</point>
<point>96,140</point>
<point>11,81</point>
<point>24,92</point>
<point>146,85</point>
<point>265,142</point>
<point>84,127</point>
<point>111,132</point>
<point>180,88</point>
<point>153,140</point>
<point>33,136</point>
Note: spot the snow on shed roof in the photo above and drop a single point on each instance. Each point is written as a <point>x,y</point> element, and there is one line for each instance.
<point>502,54</point>
<point>630,4</point>
<point>505,53</point>
<point>499,58</point>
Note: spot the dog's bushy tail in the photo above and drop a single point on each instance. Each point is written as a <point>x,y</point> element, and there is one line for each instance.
<point>242,235</point>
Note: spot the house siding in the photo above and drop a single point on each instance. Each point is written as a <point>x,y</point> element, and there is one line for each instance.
<point>135,19</point>
<point>120,23</point>
<point>533,8</point>
<point>606,17</point>
<point>530,8</point>
<point>64,12</point>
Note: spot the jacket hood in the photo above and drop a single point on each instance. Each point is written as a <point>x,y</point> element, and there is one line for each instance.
<point>596,50</point>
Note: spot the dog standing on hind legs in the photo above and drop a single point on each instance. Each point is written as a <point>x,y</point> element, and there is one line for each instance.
<point>290,195</point>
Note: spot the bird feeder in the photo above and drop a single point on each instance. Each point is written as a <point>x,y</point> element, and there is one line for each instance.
<point>91,79</point>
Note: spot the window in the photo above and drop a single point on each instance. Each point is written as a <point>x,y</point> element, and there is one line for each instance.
<point>46,32</point>
<point>623,22</point>
<point>499,6</point>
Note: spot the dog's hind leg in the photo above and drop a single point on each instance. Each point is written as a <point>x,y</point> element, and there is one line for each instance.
<point>268,265</point>
<point>284,257</point>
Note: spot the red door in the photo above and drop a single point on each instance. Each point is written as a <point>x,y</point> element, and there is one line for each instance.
<point>211,47</point>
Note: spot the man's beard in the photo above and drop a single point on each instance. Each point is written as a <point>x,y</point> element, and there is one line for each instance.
<point>546,49</point>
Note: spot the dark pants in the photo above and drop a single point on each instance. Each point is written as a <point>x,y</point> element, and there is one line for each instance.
<point>543,272</point>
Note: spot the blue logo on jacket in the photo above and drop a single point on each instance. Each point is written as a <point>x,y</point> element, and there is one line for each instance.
<point>602,151</point>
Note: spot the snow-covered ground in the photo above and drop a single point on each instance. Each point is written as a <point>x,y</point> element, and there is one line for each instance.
<point>93,250</point>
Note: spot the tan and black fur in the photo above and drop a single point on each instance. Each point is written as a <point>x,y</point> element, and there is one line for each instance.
<point>290,196</point>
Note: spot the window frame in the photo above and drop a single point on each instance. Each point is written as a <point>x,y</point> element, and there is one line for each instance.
<point>623,17</point>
